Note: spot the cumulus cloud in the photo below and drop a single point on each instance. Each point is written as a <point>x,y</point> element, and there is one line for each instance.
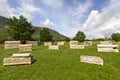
<point>47,23</point>
<point>80,9</point>
<point>5,9</point>
<point>26,8</point>
<point>70,19</point>
<point>103,24</point>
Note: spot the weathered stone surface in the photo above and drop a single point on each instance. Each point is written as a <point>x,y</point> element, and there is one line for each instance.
<point>73,42</point>
<point>107,48</point>
<point>60,43</point>
<point>106,43</point>
<point>91,60</point>
<point>53,47</point>
<point>34,43</point>
<point>74,45</point>
<point>88,43</point>
<point>18,59</point>
<point>25,47</point>
<point>11,44</point>
<point>21,55</point>
<point>47,43</point>
<point>77,47</point>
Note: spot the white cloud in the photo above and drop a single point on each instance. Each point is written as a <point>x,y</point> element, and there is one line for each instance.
<point>26,8</point>
<point>81,8</point>
<point>53,3</point>
<point>47,23</point>
<point>104,23</point>
<point>69,20</point>
<point>5,9</point>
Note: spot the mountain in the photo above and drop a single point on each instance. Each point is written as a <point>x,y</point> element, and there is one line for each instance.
<point>3,21</point>
<point>56,35</point>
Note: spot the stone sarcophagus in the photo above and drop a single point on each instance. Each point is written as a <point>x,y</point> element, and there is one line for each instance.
<point>18,59</point>
<point>107,48</point>
<point>77,47</point>
<point>34,43</point>
<point>47,43</point>
<point>53,47</point>
<point>25,47</point>
<point>73,42</point>
<point>60,43</point>
<point>74,45</point>
<point>106,43</point>
<point>11,44</point>
<point>91,60</point>
<point>88,43</point>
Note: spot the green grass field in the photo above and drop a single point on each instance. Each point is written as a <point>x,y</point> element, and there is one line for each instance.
<point>63,64</point>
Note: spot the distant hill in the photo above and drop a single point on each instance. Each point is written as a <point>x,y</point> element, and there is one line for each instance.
<point>3,21</point>
<point>56,35</point>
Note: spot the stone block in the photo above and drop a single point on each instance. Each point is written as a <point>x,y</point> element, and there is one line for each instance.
<point>73,42</point>
<point>106,43</point>
<point>107,48</point>
<point>60,43</point>
<point>91,60</point>
<point>88,43</point>
<point>34,43</point>
<point>25,47</point>
<point>53,47</point>
<point>47,43</point>
<point>11,44</point>
<point>18,59</point>
<point>77,47</point>
<point>15,55</point>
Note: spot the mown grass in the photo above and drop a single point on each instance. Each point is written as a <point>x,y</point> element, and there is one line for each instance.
<point>63,64</point>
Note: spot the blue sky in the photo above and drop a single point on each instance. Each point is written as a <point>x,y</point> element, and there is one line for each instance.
<point>96,18</point>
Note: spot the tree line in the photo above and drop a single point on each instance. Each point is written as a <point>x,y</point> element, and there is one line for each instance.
<point>21,29</point>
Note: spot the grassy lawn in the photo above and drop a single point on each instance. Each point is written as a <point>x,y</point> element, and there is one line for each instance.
<point>63,64</point>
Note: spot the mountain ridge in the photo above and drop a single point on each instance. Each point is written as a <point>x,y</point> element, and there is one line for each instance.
<point>56,34</point>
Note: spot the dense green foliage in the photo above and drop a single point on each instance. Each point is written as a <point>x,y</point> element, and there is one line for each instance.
<point>45,35</point>
<point>20,29</point>
<point>3,31</point>
<point>115,36</point>
<point>63,64</point>
<point>80,36</point>
<point>3,35</point>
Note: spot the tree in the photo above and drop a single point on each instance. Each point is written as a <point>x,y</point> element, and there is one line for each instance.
<point>20,29</point>
<point>45,35</point>
<point>67,39</point>
<point>115,36</point>
<point>80,36</point>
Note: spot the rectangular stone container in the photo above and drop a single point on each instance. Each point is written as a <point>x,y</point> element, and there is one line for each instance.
<point>88,43</point>
<point>53,47</point>
<point>73,42</point>
<point>47,43</point>
<point>106,43</point>
<point>91,60</point>
<point>107,48</point>
<point>60,43</point>
<point>11,44</point>
<point>77,47</point>
<point>18,59</point>
<point>25,47</point>
<point>34,43</point>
